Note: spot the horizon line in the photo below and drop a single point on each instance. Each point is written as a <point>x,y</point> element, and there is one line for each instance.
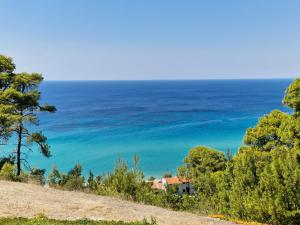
<point>209,79</point>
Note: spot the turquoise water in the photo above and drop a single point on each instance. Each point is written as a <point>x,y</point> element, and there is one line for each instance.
<point>98,121</point>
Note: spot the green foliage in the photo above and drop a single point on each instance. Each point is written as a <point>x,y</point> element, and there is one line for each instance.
<point>54,178</point>
<point>8,172</point>
<point>204,166</point>
<point>124,182</point>
<point>73,180</point>
<point>19,105</point>
<point>279,188</point>
<point>171,197</point>
<point>262,181</point>
<point>128,183</point>
<point>6,65</point>
<point>201,160</point>
<point>92,182</point>
<point>4,160</point>
<point>290,132</point>
<point>265,186</point>
<point>266,135</point>
<point>292,96</point>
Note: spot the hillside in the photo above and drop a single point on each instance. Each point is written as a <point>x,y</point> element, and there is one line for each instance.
<point>27,200</point>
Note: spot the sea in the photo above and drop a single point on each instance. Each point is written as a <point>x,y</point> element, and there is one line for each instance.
<point>98,122</point>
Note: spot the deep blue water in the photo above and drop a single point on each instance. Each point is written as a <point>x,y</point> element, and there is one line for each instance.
<point>98,121</point>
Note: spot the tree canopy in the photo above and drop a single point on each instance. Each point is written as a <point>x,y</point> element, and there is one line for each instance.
<point>19,105</point>
<point>262,181</point>
<point>202,159</point>
<point>292,96</point>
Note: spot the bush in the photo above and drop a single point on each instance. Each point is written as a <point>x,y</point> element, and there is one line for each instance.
<point>9,159</point>
<point>72,181</point>
<point>8,172</point>
<point>125,182</point>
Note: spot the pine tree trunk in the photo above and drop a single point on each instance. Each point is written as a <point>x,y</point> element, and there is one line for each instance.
<point>19,150</point>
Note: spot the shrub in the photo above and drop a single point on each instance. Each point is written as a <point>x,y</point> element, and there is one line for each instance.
<point>123,181</point>
<point>73,180</point>
<point>9,159</point>
<point>8,172</point>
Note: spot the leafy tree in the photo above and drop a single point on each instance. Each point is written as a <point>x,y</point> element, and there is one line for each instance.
<point>290,132</point>
<point>4,160</point>
<point>73,180</point>
<point>292,96</point>
<point>279,189</point>
<point>266,135</point>
<point>261,182</point>
<point>125,181</point>
<point>7,172</point>
<point>204,166</point>
<point>202,159</point>
<point>248,166</point>
<point>91,182</point>
<point>6,119</point>
<point>266,172</point>
<point>19,105</point>
<point>6,66</point>
<point>171,197</point>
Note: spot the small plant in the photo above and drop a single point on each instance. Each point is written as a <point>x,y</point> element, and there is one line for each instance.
<point>73,180</point>
<point>8,172</point>
<point>152,221</point>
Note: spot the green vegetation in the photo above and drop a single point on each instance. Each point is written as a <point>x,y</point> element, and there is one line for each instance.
<point>123,182</point>
<point>262,181</point>
<point>8,172</point>
<point>19,105</point>
<point>292,97</point>
<point>45,221</point>
<point>73,180</point>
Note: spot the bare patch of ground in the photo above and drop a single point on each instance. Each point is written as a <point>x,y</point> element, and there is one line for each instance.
<point>27,200</point>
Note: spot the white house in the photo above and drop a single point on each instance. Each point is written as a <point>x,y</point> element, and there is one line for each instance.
<point>184,185</point>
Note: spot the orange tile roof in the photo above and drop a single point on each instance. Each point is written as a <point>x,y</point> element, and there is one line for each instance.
<point>176,180</point>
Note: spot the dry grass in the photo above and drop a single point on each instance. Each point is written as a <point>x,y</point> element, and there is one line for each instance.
<point>27,200</point>
<point>223,217</point>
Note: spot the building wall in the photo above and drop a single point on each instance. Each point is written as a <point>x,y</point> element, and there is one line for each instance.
<point>182,188</point>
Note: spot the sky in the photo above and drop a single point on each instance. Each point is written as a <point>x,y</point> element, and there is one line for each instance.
<point>152,39</point>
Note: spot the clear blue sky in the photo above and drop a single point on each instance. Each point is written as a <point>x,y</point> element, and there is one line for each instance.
<point>152,39</point>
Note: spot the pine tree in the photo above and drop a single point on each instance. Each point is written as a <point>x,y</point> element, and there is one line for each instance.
<point>19,105</point>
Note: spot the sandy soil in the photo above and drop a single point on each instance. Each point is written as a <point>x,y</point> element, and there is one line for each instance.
<point>27,200</point>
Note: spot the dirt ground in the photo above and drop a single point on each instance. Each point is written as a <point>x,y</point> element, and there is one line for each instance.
<point>27,200</point>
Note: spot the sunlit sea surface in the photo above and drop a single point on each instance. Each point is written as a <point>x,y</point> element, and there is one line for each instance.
<point>99,121</point>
